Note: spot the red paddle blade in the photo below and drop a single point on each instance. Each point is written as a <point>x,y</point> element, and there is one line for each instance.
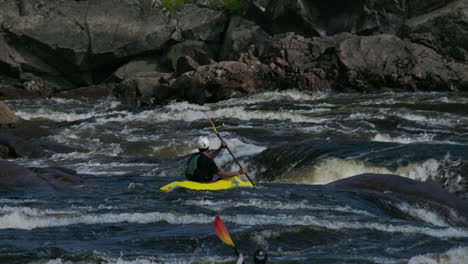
<point>222,232</point>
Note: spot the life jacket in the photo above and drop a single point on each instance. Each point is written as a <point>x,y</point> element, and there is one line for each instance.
<point>191,172</point>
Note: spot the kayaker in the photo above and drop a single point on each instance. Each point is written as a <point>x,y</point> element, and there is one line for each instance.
<point>260,257</point>
<point>201,166</point>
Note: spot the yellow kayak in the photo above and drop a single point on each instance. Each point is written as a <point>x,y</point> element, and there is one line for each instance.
<point>222,184</point>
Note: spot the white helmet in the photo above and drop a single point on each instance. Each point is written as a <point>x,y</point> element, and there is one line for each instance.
<point>203,143</point>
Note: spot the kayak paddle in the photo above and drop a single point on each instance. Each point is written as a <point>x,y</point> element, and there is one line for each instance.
<point>230,152</point>
<point>223,234</point>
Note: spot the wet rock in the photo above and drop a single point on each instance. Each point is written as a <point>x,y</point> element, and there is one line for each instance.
<point>20,147</point>
<point>201,24</point>
<point>385,60</point>
<point>322,18</point>
<point>90,92</point>
<point>418,191</point>
<point>186,64</point>
<point>4,152</point>
<point>200,52</point>
<point>14,175</point>
<point>9,59</point>
<point>145,88</point>
<point>8,92</point>
<point>56,35</point>
<point>361,63</point>
<point>117,30</point>
<point>146,64</point>
<point>218,81</point>
<point>443,30</point>
<point>7,116</point>
<point>241,34</point>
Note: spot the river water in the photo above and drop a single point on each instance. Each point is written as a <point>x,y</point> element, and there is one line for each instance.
<point>292,143</point>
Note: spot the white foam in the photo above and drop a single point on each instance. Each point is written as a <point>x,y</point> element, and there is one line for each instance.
<point>338,224</point>
<point>279,96</point>
<point>423,214</point>
<point>457,255</point>
<point>158,259</point>
<point>237,112</point>
<point>43,113</point>
<point>82,111</point>
<point>271,205</point>
<point>428,118</point>
<point>16,201</point>
<point>31,218</point>
<point>332,169</point>
<point>404,139</point>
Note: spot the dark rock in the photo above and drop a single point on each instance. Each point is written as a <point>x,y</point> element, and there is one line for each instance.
<point>8,92</point>
<point>146,64</point>
<point>329,17</point>
<point>19,147</point>
<point>145,88</point>
<point>444,30</point>
<point>186,64</point>
<point>385,60</point>
<point>117,30</point>
<point>219,81</point>
<point>57,176</point>
<point>4,152</point>
<point>9,59</point>
<point>57,35</point>
<point>421,191</point>
<point>239,35</point>
<point>14,175</point>
<point>90,92</point>
<point>201,23</point>
<point>25,7</point>
<point>197,50</point>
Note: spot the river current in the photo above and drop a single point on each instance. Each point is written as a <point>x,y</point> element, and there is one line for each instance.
<point>292,142</point>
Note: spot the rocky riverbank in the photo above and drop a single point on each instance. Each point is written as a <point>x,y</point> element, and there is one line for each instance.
<point>143,52</point>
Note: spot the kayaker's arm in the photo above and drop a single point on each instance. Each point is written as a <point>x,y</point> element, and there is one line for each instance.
<point>215,153</point>
<point>226,174</point>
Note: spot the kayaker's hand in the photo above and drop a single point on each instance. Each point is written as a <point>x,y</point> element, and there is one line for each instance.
<point>240,260</point>
<point>223,144</point>
<point>242,171</point>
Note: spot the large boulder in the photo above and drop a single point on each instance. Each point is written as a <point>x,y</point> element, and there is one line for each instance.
<point>218,81</point>
<point>199,51</point>
<point>202,24</point>
<point>117,30</point>
<point>363,63</point>
<point>329,17</point>
<point>13,175</point>
<point>240,35</point>
<point>415,191</point>
<point>9,59</point>
<point>145,88</point>
<point>137,65</point>
<point>443,30</point>
<point>89,92</point>
<point>385,60</point>
<point>56,35</point>
<point>324,17</point>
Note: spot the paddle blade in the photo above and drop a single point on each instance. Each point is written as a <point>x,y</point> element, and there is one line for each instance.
<point>212,124</point>
<point>222,232</point>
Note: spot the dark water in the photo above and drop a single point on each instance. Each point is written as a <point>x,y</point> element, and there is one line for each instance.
<point>292,143</point>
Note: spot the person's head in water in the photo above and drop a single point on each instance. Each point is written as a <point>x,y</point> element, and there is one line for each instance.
<point>260,256</point>
<point>203,144</point>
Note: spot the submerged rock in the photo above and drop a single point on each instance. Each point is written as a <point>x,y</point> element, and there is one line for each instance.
<point>415,191</point>
<point>13,175</point>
